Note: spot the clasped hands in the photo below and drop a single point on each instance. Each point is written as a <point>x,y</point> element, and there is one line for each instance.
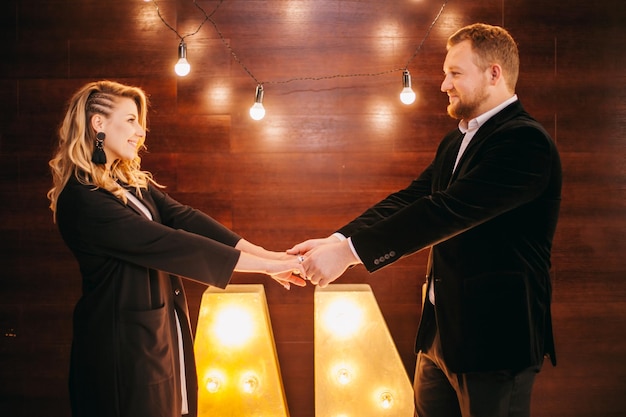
<point>320,261</point>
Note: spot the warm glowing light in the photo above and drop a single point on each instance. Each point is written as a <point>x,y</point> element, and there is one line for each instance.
<point>343,373</point>
<point>218,96</point>
<point>343,376</point>
<point>235,355</point>
<point>382,117</point>
<point>387,33</point>
<point>358,371</point>
<point>213,383</point>
<point>257,111</point>
<point>343,318</point>
<point>386,400</point>
<point>249,384</point>
<point>182,67</point>
<point>233,326</point>
<point>298,12</point>
<point>407,96</point>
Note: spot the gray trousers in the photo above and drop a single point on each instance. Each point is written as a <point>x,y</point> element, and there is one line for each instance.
<point>441,393</point>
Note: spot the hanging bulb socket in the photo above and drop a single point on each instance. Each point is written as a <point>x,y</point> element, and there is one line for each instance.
<point>407,96</point>
<point>182,67</point>
<point>257,111</point>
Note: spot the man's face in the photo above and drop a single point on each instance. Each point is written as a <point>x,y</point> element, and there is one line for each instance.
<point>464,82</point>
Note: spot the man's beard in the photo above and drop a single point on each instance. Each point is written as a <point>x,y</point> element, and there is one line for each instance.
<point>468,108</point>
<point>458,111</point>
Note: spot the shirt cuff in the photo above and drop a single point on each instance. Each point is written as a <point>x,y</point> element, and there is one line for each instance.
<point>356,255</point>
<point>342,238</point>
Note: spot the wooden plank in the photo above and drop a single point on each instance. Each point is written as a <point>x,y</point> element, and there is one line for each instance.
<point>326,151</point>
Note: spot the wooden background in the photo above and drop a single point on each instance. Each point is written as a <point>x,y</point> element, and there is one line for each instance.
<point>326,150</point>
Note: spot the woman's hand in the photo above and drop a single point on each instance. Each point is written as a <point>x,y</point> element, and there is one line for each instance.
<point>287,272</point>
<point>249,247</point>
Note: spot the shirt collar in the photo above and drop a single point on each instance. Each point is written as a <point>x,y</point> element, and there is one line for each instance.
<point>475,123</point>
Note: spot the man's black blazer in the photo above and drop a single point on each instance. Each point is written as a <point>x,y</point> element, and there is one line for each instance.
<point>491,226</point>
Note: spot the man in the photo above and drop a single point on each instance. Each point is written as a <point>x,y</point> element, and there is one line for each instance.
<point>488,206</point>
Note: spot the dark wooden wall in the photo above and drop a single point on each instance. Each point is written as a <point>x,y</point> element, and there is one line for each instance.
<point>325,151</point>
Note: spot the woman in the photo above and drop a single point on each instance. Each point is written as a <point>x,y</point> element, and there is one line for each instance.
<point>132,350</point>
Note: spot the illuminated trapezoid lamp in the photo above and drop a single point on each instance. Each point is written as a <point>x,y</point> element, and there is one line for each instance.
<point>358,371</point>
<point>238,372</point>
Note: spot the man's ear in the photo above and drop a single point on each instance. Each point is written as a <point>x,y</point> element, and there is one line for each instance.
<point>495,72</point>
<point>97,122</point>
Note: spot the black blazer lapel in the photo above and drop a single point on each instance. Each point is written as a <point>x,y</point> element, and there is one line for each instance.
<point>449,158</point>
<point>147,201</point>
<point>486,130</point>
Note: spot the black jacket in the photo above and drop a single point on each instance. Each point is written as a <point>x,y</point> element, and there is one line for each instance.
<point>124,358</point>
<point>491,226</point>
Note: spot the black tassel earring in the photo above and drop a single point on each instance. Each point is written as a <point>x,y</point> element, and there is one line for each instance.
<point>99,157</point>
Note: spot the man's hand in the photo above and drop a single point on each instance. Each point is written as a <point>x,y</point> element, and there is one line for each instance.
<point>325,262</point>
<point>307,245</point>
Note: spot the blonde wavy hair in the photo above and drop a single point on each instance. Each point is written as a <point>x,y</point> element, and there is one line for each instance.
<point>77,142</point>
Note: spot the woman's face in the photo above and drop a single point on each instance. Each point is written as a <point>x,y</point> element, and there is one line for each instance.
<point>122,131</point>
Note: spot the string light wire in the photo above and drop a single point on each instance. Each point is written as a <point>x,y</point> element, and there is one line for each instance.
<point>209,17</point>
<point>206,17</point>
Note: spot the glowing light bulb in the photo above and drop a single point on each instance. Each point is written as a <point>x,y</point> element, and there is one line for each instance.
<point>386,400</point>
<point>343,318</point>
<point>343,376</point>
<point>233,326</point>
<point>213,384</point>
<point>182,67</point>
<point>407,96</point>
<point>257,111</point>
<point>249,384</point>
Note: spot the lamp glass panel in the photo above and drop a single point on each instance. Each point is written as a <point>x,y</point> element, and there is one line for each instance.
<point>358,371</point>
<point>237,365</point>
